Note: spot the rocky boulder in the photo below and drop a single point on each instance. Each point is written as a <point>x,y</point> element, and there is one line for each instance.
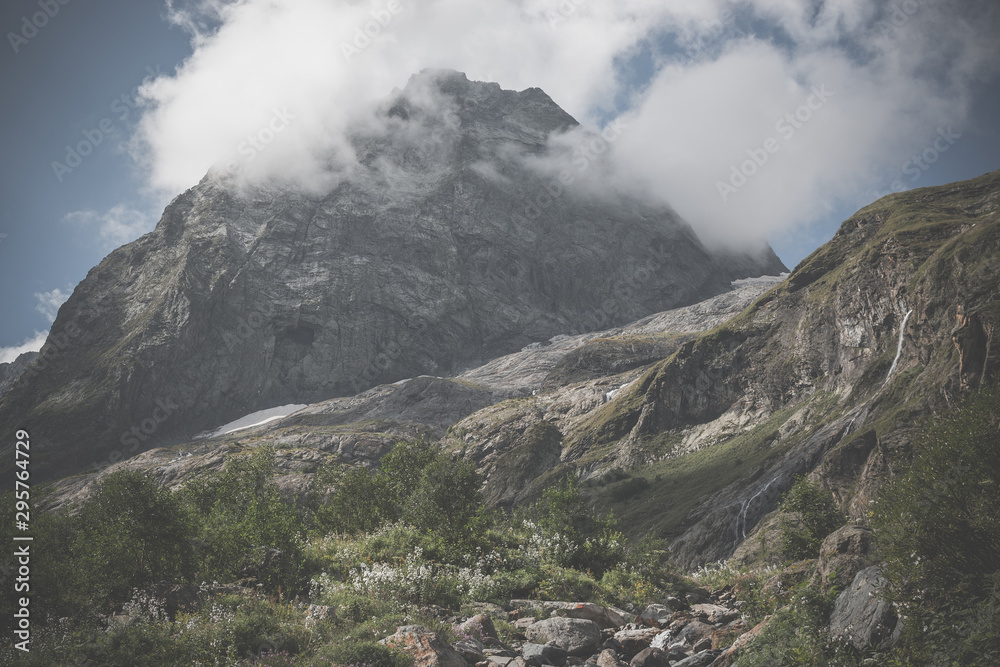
<point>656,616</point>
<point>861,617</point>
<point>578,636</point>
<point>633,639</point>
<point>543,654</point>
<point>843,554</point>
<point>650,657</point>
<point>426,647</point>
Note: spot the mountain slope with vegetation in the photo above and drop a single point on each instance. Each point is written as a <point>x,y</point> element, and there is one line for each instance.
<point>832,442</point>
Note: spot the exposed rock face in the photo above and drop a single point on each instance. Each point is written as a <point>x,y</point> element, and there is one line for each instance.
<point>362,428</point>
<point>843,554</point>
<point>861,617</point>
<point>578,636</point>
<point>442,249</point>
<point>426,647</point>
<point>10,371</point>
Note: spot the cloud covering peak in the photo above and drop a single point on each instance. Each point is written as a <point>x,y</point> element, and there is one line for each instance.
<point>749,117</point>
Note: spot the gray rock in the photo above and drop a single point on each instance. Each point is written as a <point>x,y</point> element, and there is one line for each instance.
<point>656,616</point>
<point>843,554</point>
<point>634,640</point>
<point>604,617</point>
<point>470,649</point>
<point>676,604</point>
<point>694,632</point>
<point>479,627</point>
<point>861,617</point>
<point>607,658</point>
<point>702,659</point>
<point>577,635</point>
<point>426,647</point>
<point>544,654</point>
<point>650,657</point>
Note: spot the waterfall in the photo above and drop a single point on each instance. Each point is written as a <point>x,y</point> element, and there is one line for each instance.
<point>742,515</point>
<point>899,348</point>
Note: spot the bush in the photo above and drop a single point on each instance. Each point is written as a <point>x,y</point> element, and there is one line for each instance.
<point>371,654</point>
<point>132,533</point>
<point>819,516</point>
<point>572,535</point>
<point>446,498</point>
<point>244,516</point>
<point>415,482</point>
<point>797,635</point>
<point>938,529</point>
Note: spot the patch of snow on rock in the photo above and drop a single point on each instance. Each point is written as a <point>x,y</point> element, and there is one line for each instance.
<point>253,419</point>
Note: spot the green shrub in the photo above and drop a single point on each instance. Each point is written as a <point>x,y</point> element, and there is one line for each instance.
<point>415,482</point>
<point>797,634</point>
<point>446,498</point>
<point>819,516</point>
<point>131,534</point>
<point>243,516</point>
<point>371,654</point>
<point>938,530</point>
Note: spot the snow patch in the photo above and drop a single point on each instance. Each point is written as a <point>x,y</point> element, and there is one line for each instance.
<point>253,419</point>
<point>759,280</point>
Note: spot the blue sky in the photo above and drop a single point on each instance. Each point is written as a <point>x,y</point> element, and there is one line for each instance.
<point>702,87</point>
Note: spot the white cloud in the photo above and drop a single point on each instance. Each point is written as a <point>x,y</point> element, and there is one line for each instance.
<point>33,344</point>
<point>116,226</point>
<point>49,302</point>
<point>742,65</point>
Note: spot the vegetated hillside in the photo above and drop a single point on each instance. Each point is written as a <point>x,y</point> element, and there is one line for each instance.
<point>702,444</point>
<point>868,368</point>
<point>444,246</point>
<point>810,372</point>
<point>699,445</point>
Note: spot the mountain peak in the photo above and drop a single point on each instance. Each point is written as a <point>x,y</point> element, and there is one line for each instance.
<point>443,248</point>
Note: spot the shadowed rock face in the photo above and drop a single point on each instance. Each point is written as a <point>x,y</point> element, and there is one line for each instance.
<point>443,247</point>
<point>9,371</point>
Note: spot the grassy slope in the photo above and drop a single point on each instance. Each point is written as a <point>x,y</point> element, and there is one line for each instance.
<point>946,243</point>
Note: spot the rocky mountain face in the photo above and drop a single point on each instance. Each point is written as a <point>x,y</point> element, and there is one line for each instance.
<point>10,371</point>
<point>446,245</point>
<point>691,424</point>
<point>360,429</point>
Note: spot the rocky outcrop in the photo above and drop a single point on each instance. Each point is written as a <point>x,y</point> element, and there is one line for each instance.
<point>826,375</point>
<point>441,250</point>
<point>360,429</point>
<point>10,371</point>
<point>426,647</point>
<point>843,554</point>
<point>862,617</point>
<point>577,636</point>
